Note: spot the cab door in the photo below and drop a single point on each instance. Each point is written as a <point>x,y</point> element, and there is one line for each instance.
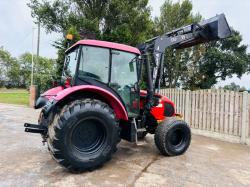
<point>124,80</point>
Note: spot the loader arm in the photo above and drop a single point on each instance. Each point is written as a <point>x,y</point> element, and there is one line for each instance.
<point>212,29</point>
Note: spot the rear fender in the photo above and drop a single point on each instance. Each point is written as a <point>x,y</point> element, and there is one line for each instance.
<point>111,100</point>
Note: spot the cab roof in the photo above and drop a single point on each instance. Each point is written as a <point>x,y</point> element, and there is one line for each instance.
<point>105,44</point>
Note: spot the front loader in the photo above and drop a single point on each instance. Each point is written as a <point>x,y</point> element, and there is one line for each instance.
<point>98,101</point>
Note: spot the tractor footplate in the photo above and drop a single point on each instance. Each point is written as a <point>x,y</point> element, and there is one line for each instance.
<point>33,128</point>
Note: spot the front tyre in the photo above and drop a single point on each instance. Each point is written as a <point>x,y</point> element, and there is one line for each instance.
<point>84,135</point>
<point>172,137</point>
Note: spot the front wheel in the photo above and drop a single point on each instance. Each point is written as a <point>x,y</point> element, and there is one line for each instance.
<point>173,137</point>
<point>84,135</point>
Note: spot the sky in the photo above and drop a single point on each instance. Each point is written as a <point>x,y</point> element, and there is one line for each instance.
<point>16,26</point>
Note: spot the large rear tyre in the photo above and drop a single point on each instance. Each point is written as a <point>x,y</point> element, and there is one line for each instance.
<point>84,135</point>
<point>172,137</point>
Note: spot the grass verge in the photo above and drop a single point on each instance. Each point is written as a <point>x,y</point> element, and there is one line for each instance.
<point>19,98</point>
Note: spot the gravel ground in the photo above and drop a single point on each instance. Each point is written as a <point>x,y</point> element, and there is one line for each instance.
<point>24,161</point>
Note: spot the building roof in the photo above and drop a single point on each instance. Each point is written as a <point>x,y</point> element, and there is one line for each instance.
<point>105,44</point>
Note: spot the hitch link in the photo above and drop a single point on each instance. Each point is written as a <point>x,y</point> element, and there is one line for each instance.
<point>33,128</point>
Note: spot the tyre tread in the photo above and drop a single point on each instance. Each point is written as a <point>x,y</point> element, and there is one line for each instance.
<point>160,133</point>
<point>57,124</point>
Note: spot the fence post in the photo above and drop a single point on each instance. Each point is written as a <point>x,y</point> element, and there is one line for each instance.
<point>33,95</point>
<point>244,125</point>
<point>187,106</point>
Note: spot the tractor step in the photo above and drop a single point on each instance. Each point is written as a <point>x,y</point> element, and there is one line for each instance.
<point>33,128</point>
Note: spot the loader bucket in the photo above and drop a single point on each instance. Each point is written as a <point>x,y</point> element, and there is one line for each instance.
<point>216,28</point>
<point>212,29</point>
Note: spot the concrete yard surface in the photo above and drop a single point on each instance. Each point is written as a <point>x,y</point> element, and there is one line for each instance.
<point>24,161</point>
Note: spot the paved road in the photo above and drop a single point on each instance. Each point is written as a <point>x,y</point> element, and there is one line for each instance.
<point>25,162</point>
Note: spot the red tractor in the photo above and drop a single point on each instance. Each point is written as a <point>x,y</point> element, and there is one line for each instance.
<point>99,100</point>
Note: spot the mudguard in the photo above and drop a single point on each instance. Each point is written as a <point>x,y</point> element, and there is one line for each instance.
<point>59,94</point>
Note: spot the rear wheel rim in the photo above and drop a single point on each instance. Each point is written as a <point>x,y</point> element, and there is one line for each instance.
<point>88,136</point>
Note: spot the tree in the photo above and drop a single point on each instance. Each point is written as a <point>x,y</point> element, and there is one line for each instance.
<point>9,70</point>
<point>129,22</point>
<point>126,21</point>
<point>43,71</point>
<point>220,60</point>
<point>175,15</point>
<point>201,66</point>
<point>234,87</point>
<point>16,72</point>
<point>4,59</point>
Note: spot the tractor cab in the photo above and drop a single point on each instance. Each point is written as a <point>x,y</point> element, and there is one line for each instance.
<point>113,67</point>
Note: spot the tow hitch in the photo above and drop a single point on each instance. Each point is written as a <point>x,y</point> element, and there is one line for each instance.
<point>33,128</point>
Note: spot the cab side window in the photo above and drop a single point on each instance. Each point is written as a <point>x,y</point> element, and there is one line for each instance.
<point>94,63</point>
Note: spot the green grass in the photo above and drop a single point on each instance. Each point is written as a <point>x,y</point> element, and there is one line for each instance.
<point>10,96</point>
<point>13,90</point>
